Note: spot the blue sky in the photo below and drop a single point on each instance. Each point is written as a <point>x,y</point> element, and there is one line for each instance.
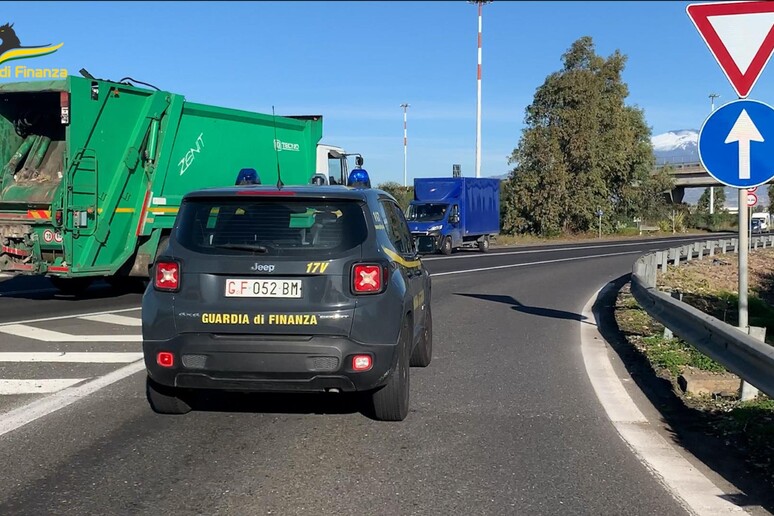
<point>356,62</point>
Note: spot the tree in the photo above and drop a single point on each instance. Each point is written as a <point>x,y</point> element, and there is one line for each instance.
<point>402,194</point>
<point>582,149</point>
<point>720,199</point>
<point>770,191</point>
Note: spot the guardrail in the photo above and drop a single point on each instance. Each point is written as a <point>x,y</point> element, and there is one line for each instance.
<point>743,355</point>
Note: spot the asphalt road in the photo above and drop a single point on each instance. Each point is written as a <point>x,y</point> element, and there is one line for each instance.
<point>504,420</point>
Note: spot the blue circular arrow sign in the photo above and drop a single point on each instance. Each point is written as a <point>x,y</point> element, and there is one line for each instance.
<point>736,143</point>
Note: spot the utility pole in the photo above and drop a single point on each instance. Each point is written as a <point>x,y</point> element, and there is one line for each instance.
<point>405,145</point>
<point>480,4</point>
<point>712,97</point>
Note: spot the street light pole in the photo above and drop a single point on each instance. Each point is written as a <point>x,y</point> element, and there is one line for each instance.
<point>405,145</point>
<point>712,97</point>
<point>480,4</point>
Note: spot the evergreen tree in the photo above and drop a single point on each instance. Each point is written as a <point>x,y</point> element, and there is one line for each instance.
<point>583,148</point>
<point>720,200</point>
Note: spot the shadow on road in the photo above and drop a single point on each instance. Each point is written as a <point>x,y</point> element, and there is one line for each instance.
<point>280,403</point>
<point>525,309</point>
<point>684,424</point>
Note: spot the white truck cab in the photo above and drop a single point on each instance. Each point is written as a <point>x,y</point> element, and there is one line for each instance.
<point>332,164</point>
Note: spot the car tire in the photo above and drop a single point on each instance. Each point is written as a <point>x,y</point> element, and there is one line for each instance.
<point>423,352</point>
<point>71,286</point>
<point>446,246</point>
<point>483,245</point>
<point>165,400</point>
<point>391,402</point>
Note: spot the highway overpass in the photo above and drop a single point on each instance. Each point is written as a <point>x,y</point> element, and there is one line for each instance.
<point>688,174</point>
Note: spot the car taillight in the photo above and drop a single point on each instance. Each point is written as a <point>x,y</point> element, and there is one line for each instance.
<point>368,278</point>
<point>167,276</point>
<point>165,359</point>
<point>362,363</point>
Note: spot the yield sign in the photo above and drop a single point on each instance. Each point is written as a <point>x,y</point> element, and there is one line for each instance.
<point>741,37</point>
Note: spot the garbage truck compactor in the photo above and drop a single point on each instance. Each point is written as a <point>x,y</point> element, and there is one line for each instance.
<point>93,171</point>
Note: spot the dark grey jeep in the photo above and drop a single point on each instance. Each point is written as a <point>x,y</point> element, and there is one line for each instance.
<point>298,289</point>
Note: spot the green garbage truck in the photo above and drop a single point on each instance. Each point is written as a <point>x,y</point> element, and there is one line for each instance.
<point>93,171</point>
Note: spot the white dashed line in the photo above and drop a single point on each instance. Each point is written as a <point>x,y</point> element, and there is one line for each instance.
<point>36,386</point>
<point>71,358</point>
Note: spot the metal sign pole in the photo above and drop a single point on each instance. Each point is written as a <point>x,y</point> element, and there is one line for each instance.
<point>744,245</point>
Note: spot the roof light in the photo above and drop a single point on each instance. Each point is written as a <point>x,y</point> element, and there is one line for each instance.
<point>358,178</point>
<point>248,176</point>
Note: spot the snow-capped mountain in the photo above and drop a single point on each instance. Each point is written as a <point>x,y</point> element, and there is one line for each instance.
<point>682,146</point>
<point>676,146</point>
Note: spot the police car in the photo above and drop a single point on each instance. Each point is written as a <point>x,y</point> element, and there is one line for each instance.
<point>292,289</point>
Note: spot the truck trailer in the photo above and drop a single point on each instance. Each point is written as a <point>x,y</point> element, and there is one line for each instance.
<point>451,213</point>
<point>94,171</point>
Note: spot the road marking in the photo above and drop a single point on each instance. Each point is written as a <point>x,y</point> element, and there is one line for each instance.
<point>542,262</point>
<point>557,249</point>
<point>76,357</point>
<point>30,332</point>
<point>72,316</point>
<point>682,480</point>
<point>113,319</point>
<point>37,409</point>
<point>8,387</point>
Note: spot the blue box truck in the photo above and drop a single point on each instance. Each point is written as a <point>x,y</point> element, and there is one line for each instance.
<point>450,213</point>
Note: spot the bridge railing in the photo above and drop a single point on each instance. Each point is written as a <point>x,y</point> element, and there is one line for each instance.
<point>743,355</point>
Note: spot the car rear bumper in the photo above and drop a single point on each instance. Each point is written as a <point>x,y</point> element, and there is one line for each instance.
<point>268,363</point>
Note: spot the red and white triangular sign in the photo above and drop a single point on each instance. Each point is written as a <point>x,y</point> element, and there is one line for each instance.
<point>741,37</point>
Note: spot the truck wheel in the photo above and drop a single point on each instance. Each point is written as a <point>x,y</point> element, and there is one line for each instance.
<point>423,353</point>
<point>483,245</point>
<point>165,400</point>
<point>71,286</point>
<point>446,246</point>
<point>391,402</point>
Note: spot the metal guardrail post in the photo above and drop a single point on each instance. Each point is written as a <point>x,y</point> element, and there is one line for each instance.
<point>700,249</point>
<point>712,244</point>
<point>735,243</point>
<point>664,261</point>
<point>689,252</point>
<point>746,391</point>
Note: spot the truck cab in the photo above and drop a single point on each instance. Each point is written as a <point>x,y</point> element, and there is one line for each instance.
<point>332,164</point>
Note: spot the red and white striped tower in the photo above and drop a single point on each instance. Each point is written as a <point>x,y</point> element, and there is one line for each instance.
<point>405,144</point>
<point>478,96</point>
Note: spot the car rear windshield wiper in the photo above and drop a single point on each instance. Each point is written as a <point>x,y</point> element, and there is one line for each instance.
<point>244,247</point>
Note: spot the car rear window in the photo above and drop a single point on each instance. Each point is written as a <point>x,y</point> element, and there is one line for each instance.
<point>270,226</point>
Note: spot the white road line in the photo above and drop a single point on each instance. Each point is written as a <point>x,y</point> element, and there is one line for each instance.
<point>113,319</point>
<point>28,413</point>
<point>542,262</point>
<point>29,332</point>
<point>73,358</point>
<point>689,486</point>
<point>72,316</point>
<point>557,249</point>
<point>8,387</point>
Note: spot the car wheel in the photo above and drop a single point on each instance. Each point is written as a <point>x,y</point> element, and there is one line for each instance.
<point>165,400</point>
<point>446,246</point>
<point>391,402</point>
<point>423,353</point>
<point>483,245</point>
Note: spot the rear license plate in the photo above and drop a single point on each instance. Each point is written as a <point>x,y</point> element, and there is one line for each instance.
<point>263,288</point>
